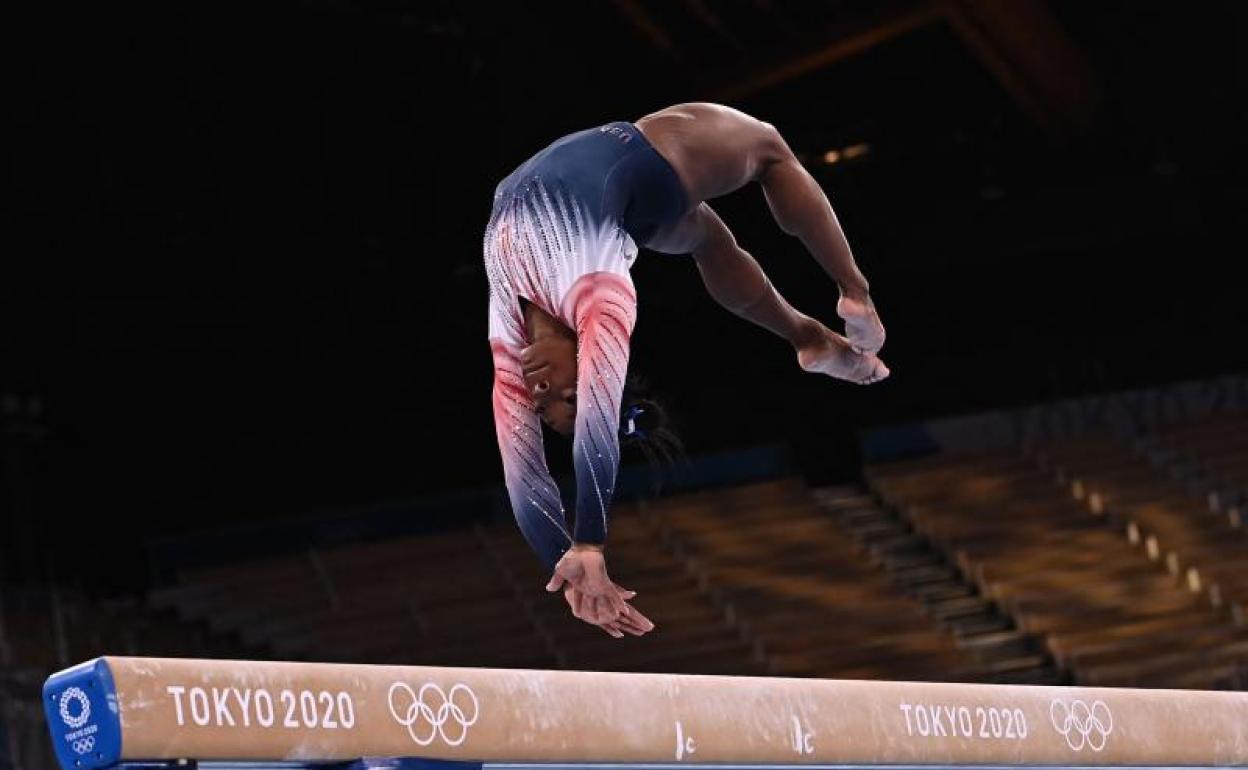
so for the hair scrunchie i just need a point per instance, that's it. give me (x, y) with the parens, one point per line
(630, 422)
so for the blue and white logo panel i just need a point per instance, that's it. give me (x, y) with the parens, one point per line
(80, 704)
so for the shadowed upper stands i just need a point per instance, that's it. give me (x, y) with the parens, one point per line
(1080, 559)
(752, 580)
(1094, 560)
(44, 629)
(1209, 458)
(47, 628)
(1124, 570)
(1088, 553)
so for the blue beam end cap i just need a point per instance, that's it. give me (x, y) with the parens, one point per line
(83, 715)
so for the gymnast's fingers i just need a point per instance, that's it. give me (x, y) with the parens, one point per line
(630, 625)
(615, 601)
(635, 618)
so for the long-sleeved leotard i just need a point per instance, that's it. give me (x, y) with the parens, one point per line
(563, 236)
(584, 283)
(534, 495)
(603, 309)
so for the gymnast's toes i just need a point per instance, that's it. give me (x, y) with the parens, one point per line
(878, 371)
(832, 355)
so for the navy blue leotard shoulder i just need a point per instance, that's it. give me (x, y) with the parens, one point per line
(614, 171)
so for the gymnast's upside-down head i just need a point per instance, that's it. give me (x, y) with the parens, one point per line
(549, 367)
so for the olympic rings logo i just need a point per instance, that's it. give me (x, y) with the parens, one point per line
(430, 712)
(1081, 724)
(75, 695)
(83, 745)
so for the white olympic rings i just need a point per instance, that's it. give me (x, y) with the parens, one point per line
(76, 695)
(84, 745)
(443, 710)
(1081, 724)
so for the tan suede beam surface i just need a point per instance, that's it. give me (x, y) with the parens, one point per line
(210, 709)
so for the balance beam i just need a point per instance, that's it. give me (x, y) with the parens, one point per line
(118, 709)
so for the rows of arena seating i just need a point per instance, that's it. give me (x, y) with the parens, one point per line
(793, 576)
(1092, 560)
(47, 628)
(24, 743)
(1124, 569)
(1210, 459)
(1212, 455)
(931, 580)
(735, 579)
(1041, 566)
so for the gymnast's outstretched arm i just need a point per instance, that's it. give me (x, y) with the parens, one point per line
(535, 500)
(604, 308)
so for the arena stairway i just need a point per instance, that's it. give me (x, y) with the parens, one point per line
(981, 568)
(1067, 563)
(923, 572)
(798, 584)
(755, 579)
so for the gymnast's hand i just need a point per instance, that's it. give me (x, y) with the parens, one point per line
(631, 622)
(591, 594)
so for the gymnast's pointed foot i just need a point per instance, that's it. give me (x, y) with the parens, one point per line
(829, 353)
(862, 323)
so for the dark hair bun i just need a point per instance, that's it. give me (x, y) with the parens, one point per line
(646, 425)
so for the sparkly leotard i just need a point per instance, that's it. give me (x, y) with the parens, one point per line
(563, 234)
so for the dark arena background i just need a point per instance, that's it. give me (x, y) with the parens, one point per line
(245, 381)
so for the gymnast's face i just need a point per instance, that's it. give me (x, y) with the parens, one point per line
(549, 366)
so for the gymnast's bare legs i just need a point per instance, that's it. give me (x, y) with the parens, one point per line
(716, 150)
(682, 157)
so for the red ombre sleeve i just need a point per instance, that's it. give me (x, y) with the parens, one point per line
(535, 500)
(604, 307)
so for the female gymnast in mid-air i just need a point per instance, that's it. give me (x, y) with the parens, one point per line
(564, 231)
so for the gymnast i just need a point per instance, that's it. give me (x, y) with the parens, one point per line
(564, 231)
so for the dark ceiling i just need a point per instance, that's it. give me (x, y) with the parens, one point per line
(243, 275)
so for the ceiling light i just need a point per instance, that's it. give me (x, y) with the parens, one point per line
(856, 150)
